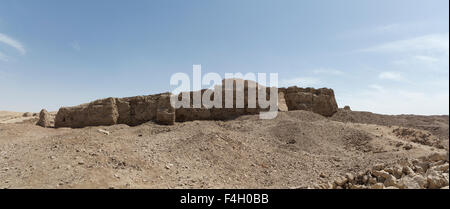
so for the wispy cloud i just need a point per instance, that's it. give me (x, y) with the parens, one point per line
(12, 43)
(428, 52)
(389, 27)
(395, 76)
(75, 45)
(376, 87)
(327, 71)
(398, 101)
(433, 43)
(374, 30)
(300, 81)
(427, 59)
(386, 30)
(419, 59)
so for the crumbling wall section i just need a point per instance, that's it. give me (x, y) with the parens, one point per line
(140, 109)
(320, 101)
(99, 112)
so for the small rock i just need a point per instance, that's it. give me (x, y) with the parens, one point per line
(27, 114)
(168, 166)
(436, 163)
(408, 171)
(398, 172)
(419, 170)
(378, 167)
(340, 181)
(372, 180)
(331, 185)
(389, 170)
(44, 119)
(357, 186)
(337, 159)
(436, 181)
(323, 186)
(381, 173)
(292, 141)
(360, 174)
(408, 147)
(438, 157)
(365, 179)
(407, 182)
(103, 131)
(390, 181)
(421, 181)
(442, 168)
(391, 187)
(377, 186)
(350, 177)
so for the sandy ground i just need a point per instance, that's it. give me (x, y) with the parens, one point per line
(12, 117)
(296, 150)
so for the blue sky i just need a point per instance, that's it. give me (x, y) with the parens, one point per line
(384, 56)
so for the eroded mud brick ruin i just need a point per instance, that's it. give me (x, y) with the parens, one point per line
(140, 109)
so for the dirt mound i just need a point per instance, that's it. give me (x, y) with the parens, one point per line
(298, 149)
(436, 125)
(418, 136)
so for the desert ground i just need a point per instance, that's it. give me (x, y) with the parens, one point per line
(298, 149)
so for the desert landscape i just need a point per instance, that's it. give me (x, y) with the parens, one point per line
(142, 142)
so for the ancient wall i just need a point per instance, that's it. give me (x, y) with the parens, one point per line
(140, 109)
(99, 112)
(320, 101)
(131, 111)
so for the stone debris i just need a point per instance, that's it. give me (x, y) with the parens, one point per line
(168, 166)
(417, 136)
(44, 119)
(430, 172)
(103, 131)
(27, 114)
